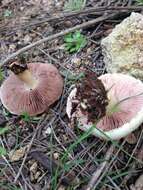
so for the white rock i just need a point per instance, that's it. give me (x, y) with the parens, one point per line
(123, 48)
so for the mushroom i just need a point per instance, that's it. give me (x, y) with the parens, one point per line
(31, 88)
(123, 106)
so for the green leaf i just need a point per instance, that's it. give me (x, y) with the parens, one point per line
(7, 13)
(69, 40)
(140, 2)
(78, 46)
(3, 130)
(73, 77)
(72, 50)
(2, 151)
(77, 35)
(74, 41)
(1, 75)
(26, 117)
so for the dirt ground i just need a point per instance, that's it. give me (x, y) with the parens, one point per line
(46, 152)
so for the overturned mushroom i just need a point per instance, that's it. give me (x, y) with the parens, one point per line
(116, 110)
(31, 88)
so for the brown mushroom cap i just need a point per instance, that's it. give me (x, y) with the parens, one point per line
(17, 97)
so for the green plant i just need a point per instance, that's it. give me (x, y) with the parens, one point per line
(2, 151)
(74, 5)
(7, 13)
(71, 76)
(1, 75)
(3, 130)
(26, 117)
(74, 41)
(140, 2)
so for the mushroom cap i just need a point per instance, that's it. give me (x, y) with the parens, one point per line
(17, 97)
(124, 91)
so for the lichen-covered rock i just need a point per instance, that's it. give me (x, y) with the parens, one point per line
(123, 48)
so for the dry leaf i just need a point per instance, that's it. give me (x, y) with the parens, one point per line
(17, 154)
(33, 168)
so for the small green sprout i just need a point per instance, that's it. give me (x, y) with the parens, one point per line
(74, 5)
(7, 13)
(2, 151)
(74, 41)
(4, 130)
(139, 2)
(1, 75)
(71, 76)
(26, 117)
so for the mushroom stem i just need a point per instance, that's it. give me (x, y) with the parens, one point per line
(111, 108)
(24, 74)
(28, 79)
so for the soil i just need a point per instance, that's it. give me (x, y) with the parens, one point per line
(92, 96)
(48, 152)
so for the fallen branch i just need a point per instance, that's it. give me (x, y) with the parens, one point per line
(93, 10)
(62, 33)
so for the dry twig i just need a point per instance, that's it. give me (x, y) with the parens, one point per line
(26, 154)
(86, 11)
(93, 10)
(62, 33)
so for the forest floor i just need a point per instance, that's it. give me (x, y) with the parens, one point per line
(46, 152)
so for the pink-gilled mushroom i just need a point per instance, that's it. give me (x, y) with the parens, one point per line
(119, 109)
(31, 88)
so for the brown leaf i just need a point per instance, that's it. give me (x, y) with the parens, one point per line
(17, 154)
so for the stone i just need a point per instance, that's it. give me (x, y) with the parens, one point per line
(123, 47)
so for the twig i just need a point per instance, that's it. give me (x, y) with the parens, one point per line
(26, 154)
(62, 33)
(99, 171)
(134, 150)
(93, 10)
(113, 183)
(8, 163)
(24, 159)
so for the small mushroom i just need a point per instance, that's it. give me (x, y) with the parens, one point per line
(31, 88)
(124, 110)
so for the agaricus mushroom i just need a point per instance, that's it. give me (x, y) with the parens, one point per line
(119, 107)
(31, 88)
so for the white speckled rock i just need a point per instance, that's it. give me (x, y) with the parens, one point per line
(123, 48)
